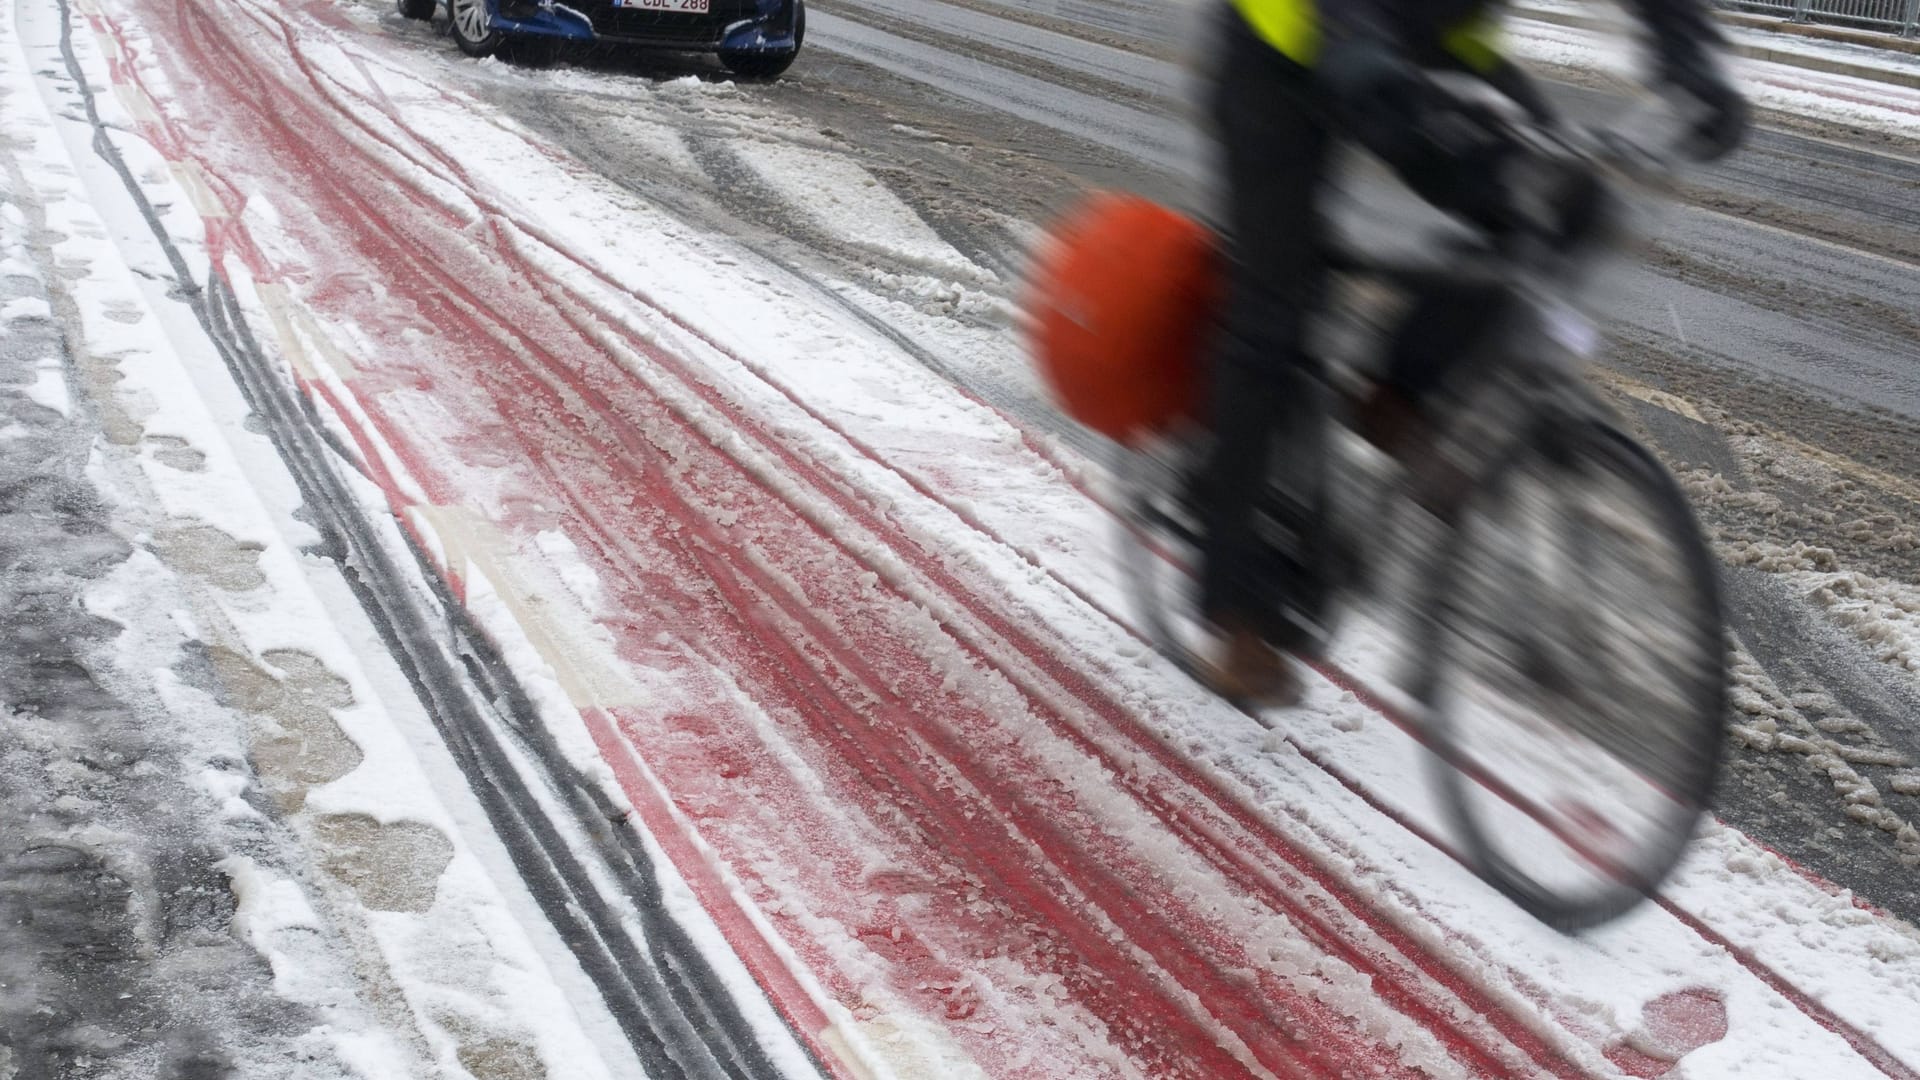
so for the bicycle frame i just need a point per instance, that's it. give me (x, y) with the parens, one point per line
(1509, 421)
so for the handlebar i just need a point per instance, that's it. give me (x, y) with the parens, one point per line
(1576, 162)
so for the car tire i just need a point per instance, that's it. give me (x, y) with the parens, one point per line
(417, 9)
(757, 65)
(473, 28)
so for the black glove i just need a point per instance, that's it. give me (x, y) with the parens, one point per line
(1714, 107)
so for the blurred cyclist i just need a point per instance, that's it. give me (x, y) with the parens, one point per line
(1295, 75)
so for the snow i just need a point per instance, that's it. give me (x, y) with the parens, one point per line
(973, 494)
(26, 309)
(1884, 615)
(893, 407)
(49, 389)
(580, 580)
(851, 205)
(462, 959)
(1772, 84)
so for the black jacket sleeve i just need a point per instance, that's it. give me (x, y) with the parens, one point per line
(1683, 32)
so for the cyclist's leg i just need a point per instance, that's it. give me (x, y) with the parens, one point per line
(1443, 329)
(1274, 150)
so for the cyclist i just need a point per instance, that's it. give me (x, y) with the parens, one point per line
(1295, 75)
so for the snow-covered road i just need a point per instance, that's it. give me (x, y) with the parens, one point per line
(568, 639)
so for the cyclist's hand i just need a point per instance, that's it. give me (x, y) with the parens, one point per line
(1716, 111)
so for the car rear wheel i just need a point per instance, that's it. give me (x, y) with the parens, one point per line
(417, 9)
(473, 28)
(755, 64)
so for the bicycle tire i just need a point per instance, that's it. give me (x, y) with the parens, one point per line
(1674, 750)
(1160, 540)
(1148, 542)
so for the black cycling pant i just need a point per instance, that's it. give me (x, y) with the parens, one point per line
(1266, 409)
(1261, 490)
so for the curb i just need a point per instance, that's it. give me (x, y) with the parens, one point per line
(1895, 45)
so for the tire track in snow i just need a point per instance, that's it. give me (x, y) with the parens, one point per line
(1861, 1041)
(352, 209)
(1175, 951)
(1033, 651)
(1181, 952)
(672, 1007)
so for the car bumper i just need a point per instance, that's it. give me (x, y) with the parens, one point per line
(729, 25)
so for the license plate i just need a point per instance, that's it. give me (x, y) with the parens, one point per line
(691, 7)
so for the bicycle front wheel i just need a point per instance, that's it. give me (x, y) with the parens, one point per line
(1574, 674)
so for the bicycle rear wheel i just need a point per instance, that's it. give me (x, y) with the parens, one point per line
(1160, 548)
(1574, 674)
(1162, 537)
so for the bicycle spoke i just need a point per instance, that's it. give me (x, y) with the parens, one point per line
(1574, 674)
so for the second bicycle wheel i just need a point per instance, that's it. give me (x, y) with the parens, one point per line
(1574, 674)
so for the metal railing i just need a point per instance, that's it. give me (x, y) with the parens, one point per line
(1894, 16)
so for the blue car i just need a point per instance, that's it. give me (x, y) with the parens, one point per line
(756, 39)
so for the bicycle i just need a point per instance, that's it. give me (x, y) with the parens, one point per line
(1555, 593)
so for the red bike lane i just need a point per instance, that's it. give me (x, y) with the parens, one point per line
(866, 766)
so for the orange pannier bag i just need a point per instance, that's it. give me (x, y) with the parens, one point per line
(1120, 302)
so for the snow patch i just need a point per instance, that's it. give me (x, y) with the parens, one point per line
(26, 309)
(49, 387)
(853, 206)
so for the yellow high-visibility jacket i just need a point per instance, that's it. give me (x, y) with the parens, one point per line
(1462, 31)
(1466, 29)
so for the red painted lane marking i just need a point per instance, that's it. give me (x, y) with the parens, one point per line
(1143, 740)
(744, 935)
(370, 461)
(528, 270)
(746, 588)
(417, 268)
(1863, 1044)
(824, 706)
(728, 656)
(916, 483)
(1671, 1027)
(885, 807)
(856, 511)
